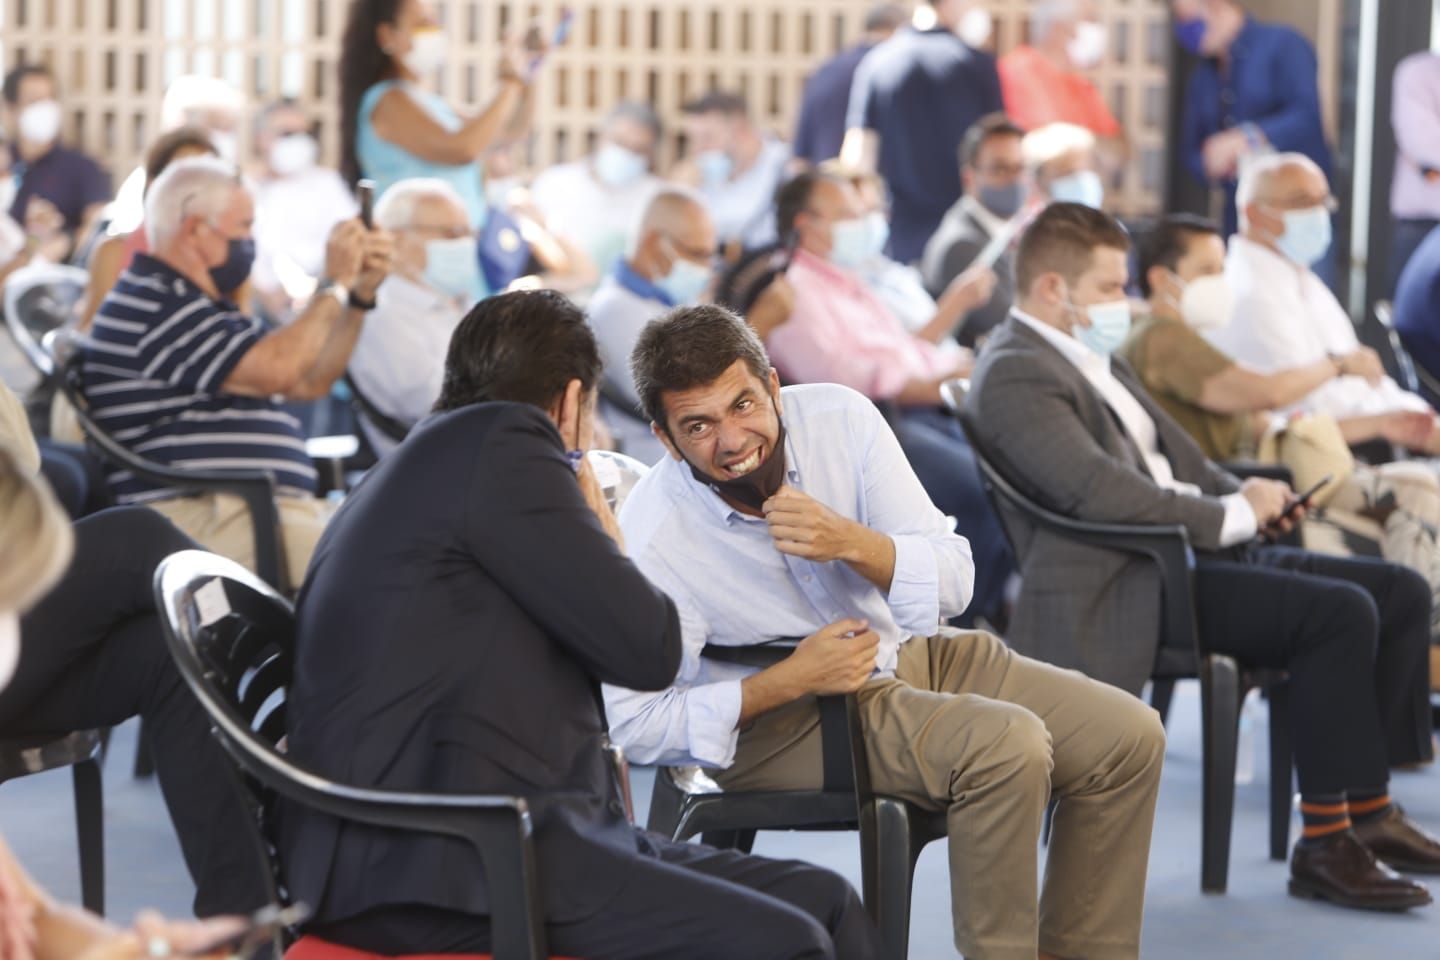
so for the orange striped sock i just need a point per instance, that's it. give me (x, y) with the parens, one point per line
(1324, 815)
(1364, 806)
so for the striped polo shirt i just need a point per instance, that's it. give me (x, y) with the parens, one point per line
(154, 367)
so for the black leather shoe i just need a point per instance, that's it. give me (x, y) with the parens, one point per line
(1401, 843)
(1342, 870)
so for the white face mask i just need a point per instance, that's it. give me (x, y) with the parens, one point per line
(1207, 303)
(976, 27)
(40, 122)
(9, 647)
(1087, 47)
(426, 53)
(293, 153)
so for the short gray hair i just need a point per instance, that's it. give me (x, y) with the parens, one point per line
(637, 112)
(1256, 173)
(197, 186)
(192, 92)
(1044, 14)
(1053, 141)
(395, 210)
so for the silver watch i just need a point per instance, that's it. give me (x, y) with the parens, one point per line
(329, 287)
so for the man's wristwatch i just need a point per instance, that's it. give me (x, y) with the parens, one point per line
(328, 287)
(1339, 362)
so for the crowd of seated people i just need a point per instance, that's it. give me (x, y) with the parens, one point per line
(907, 268)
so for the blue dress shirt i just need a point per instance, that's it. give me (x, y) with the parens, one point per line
(1271, 82)
(820, 130)
(733, 587)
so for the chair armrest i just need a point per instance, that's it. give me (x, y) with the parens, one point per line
(391, 428)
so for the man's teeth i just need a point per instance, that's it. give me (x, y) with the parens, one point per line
(744, 466)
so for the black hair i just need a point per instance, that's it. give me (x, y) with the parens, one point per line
(691, 347)
(362, 65)
(15, 77)
(1167, 242)
(523, 347)
(1063, 239)
(980, 133)
(718, 101)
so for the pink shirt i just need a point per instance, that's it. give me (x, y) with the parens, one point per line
(839, 332)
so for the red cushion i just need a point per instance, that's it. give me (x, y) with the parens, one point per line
(313, 948)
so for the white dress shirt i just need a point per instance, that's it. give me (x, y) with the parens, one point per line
(399, 360)
(1240, 523)
(743, 208)
(293, 219)
(597, 218)
(733, 587)
(1286, 317)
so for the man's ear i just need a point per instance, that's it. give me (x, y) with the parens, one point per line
(663, 436)
(775, 391)
(566, 413)
(1161, 280)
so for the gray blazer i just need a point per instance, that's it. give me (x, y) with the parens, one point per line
(953, 247)
(1048, 431)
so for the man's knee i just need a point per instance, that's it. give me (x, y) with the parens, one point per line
(1347, 612)
(1021, 750)
(1410, 593)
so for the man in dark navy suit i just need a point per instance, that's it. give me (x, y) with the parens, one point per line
(456, 621)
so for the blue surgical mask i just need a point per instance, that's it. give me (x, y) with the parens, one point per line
(685, 281)
(617, 167)
(1082, 186)
(1109, 326)
(879, 232)
(452, 266)
(1307, 235)
(1190, 34)
(852, 242)
(1004, 201)
(715, 167)
(239, 258)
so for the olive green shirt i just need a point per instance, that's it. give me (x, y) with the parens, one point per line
(1174, 362)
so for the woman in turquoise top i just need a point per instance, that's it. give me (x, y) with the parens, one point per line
(392, 127)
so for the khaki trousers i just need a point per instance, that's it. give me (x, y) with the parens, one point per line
(970, 727)
(220, 523)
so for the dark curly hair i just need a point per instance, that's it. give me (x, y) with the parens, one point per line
(362, 65)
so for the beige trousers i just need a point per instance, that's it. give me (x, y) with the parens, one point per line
(972, 728)
(220, 523)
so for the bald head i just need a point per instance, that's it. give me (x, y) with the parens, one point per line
(675, 224)
(1272, 185)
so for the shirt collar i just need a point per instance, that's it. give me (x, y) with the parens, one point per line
(626, 276)
(1087, 361)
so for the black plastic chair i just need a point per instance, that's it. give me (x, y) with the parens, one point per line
(40, 302)
(232, 637)
(81, 751)
(1223, 683)
(255, 487)
(366, 411)
(685, 802)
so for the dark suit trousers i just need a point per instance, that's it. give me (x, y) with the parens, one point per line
(1354, 635)
(92, 655)
(943, 461)
(679, 900)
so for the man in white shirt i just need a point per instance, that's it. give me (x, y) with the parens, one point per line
(297, 203)
(1076, 431)
(399, 361)
(1285, 315)
(738, 168)
(595, 202)
(793, 513)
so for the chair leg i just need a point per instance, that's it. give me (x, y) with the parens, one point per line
(665, 805)
(90, 828)
(144, 762)
(1220, 712)
(1162, 692)
(888, 857)
(1282, 770)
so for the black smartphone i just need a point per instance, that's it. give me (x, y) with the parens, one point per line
(1304, 498)
(259, 930)
(365, 193)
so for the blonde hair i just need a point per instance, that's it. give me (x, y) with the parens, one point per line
(35, 536)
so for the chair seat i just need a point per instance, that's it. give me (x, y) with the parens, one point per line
(22, 756)
(313, 948)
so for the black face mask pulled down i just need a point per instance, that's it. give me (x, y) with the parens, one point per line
(757, 486)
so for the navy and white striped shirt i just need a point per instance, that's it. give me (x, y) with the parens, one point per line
(155, 364)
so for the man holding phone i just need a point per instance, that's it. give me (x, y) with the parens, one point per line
(1075, 430)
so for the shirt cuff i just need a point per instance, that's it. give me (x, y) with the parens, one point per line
(914, 596)
(1240, 524)
(712, 719)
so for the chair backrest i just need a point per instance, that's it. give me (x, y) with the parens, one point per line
(1404, 366)
(41, 300)
(741, 285)
(617, 474)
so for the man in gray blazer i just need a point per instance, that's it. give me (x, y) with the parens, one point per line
(1074, 429)
(993, 171)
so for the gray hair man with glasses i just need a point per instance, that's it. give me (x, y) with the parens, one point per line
(178, 373)
(1285, 315)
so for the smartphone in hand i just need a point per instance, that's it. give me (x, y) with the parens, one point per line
(365, 194)
(1304, 499)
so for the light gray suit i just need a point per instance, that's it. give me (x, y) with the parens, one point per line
(1047, 430)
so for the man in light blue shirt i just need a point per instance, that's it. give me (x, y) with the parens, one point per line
(794, 514)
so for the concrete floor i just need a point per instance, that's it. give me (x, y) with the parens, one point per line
(1256, 919)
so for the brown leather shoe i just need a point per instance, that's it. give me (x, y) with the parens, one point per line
(1342, 870)
(1401, 843)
